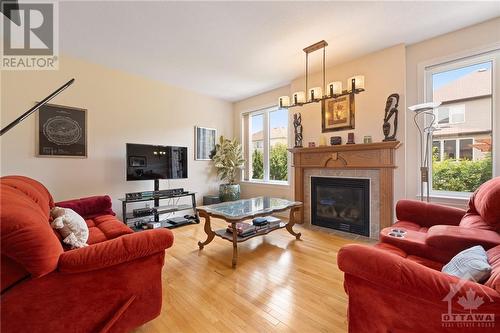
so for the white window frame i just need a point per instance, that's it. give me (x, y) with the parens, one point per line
(266, 143)
(487, 54)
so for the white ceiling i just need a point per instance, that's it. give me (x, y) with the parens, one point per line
(233, 50)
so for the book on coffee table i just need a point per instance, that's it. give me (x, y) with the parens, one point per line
(243, 229)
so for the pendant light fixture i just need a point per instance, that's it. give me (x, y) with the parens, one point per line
(355, 84)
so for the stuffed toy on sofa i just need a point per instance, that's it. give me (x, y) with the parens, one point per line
(71, 227)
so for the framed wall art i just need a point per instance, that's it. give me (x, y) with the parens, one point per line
(61, 131)
(204, 139)
(337, 114)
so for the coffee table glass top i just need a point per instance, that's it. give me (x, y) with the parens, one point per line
(233, 210)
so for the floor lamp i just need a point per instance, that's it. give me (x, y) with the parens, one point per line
(36, 107)
(425, 135)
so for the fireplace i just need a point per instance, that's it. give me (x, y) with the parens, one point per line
(341, 203)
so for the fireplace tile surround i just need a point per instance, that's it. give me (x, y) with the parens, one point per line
(374, 161)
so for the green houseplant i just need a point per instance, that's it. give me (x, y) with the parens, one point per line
(228, 159)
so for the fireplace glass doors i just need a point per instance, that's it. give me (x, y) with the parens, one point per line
(341, 203)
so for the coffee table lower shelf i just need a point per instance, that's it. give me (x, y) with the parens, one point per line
(222, 233)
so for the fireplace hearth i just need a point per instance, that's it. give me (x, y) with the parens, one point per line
(341, 203)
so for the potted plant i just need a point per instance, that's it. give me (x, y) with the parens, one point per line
(228, 158)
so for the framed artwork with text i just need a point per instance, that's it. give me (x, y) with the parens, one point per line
(61, 131)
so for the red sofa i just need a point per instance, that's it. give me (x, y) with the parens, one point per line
(440, 232)
(113, 285)
(397, 285)
(391, 291)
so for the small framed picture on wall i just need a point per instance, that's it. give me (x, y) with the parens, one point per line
(61, 131)
(204, 139)
(337, 114)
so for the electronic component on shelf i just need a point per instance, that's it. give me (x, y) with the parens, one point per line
(154, 225)
(178, 220)
(155, 194)
(138, 212)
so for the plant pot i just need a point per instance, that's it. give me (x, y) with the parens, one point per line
(229, 192)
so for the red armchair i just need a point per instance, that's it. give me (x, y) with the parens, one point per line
(440, 232)
(391, 291)
(113, 285)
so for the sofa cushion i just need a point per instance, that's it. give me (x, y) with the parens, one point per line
(475, 221)
(32, 189)
(486, 202)
(409, 226)
(26, 236)
(419, 260)
(470, 264)
(105, 227)
(494, 261)
(89, 207)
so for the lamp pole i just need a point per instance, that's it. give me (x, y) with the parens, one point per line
(36, 107)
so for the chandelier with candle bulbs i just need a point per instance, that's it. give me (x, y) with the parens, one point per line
(355, 84)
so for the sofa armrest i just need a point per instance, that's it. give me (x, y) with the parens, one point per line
(402, 275)
(427, 214)
(454, 239)
(115, 251)
(89, 207)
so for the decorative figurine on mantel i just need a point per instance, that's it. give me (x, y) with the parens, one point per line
(297, 124)
(391, 111)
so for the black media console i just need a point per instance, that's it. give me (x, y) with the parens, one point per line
(154, 213)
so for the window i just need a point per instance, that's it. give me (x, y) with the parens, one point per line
(454, 114)
(266, 146)
(453, 149)
(278, 144)
(463, 125)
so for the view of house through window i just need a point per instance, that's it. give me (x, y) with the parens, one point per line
(462, 136)
(268, 145)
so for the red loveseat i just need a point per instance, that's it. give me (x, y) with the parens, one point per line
(440, 232)
(397, 285)
(391, 291)
(113, 285)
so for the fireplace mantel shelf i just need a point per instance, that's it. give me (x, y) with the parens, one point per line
(377, 156)
(348, 147)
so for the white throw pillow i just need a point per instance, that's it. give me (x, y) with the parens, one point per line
(470, 264)
(71, 226)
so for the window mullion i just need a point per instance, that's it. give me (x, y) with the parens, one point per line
(266, 145)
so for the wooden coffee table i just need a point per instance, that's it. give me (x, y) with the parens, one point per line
(241, 210)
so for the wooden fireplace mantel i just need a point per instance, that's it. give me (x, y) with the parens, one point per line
(378, 156)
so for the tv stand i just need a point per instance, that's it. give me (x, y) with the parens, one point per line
(157, 201)
(160, 209)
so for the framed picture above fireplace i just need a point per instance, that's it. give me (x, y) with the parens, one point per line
(337, 114)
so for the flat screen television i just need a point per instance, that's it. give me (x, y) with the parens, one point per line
(146, 162)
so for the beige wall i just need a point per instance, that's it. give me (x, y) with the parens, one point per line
(384, 73)
(454, 45)
(121, 108)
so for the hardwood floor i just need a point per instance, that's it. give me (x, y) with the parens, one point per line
(280, 284)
